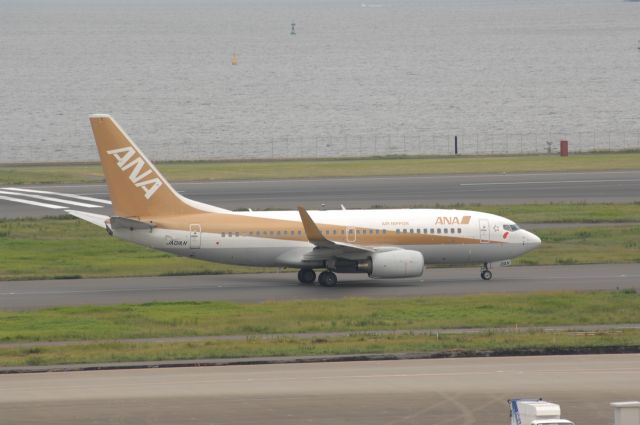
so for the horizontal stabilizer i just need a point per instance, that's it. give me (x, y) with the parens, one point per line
(97, 219)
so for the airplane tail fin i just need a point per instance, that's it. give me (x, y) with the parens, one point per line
(136, 187)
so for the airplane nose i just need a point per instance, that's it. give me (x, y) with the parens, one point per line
(536, 239)
(533, 240)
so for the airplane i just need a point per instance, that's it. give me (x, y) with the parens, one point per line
(383, 243)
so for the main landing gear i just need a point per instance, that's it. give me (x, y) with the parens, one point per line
(306, 276)
(485, 274)
(326, 278)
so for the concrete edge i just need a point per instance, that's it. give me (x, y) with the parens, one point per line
(549, 351)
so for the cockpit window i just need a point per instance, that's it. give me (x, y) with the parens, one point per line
(510, 227)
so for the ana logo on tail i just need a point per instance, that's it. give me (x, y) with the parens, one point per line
(124, 157)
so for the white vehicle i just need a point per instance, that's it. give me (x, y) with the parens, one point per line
(535, 412)
(394, 243)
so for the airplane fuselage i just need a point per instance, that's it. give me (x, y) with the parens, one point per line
(277, 238)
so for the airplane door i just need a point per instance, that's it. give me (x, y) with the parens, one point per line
(484, 230)
(351, 234)
(194, 236)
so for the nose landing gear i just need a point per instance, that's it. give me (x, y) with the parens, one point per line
(485, 274)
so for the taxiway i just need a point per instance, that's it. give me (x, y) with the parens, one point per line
(20, 295)
(362, 192)
(434, 392)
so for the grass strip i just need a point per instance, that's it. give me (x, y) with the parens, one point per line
(64, 248)
(389, 166)
(355, 344)
(56, 248)
(153, 320)
(585, 245)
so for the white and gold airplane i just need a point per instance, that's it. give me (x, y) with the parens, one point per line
(384, 243)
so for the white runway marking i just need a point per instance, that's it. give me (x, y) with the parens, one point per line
(37, 204)
(67, 195)
(49, 198)
(550, 182)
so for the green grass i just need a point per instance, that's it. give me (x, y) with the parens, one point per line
(585, 245)
(54, 248)
(66, 247)
(257, 347)
(185, 171)
(97, 327)
(154, 320)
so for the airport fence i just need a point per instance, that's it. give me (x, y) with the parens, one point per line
(347, 146)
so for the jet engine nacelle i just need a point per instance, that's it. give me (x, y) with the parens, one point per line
(396, 264)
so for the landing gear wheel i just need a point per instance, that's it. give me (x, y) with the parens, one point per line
(328, 279)
(486, 275)
(306, 276)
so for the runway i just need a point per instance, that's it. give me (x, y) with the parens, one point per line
(434, 392)
(363, 192)
(21, 295)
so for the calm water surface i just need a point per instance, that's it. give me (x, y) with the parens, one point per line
(400, 77)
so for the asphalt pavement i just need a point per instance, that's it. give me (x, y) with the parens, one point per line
(356, 192)
(434, 392)
(19, 295)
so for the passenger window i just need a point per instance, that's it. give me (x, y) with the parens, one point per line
(446, 230)
(335, 231)
(271, 232)
(410, 230)
(222, 234)
(439, 230)
(377, 231)
(404, 230)
(384, 231)
(453, 230)
(459, 230)
(397, 230)
(237, 233)
(371, 231)
(342, 231)
(299, 232)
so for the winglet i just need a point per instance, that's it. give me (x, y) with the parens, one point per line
(311, 230)
(314, 235)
